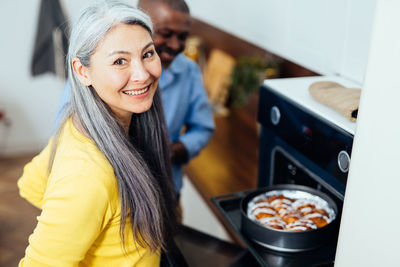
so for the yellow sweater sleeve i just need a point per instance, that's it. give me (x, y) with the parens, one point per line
(32, 184)
(74, 211)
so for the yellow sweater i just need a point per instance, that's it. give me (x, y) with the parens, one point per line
(80, 220)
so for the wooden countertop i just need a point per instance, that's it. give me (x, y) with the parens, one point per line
(229, 163)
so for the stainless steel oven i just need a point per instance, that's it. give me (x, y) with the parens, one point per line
(302, 142)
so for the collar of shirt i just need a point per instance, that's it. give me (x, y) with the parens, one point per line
(167, 75)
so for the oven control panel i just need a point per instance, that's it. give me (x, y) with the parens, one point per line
(318, 141)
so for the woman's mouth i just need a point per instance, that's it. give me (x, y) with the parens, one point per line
(137, 91)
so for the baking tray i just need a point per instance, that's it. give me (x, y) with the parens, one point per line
(323, 256)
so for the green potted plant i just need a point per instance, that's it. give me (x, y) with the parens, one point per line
(246, 77)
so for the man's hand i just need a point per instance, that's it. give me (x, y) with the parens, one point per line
(179, 153)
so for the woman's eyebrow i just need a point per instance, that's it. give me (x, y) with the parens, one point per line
(148, 45)
(126, 52)
(118, 52)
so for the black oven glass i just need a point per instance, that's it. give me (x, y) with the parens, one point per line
(286, 170)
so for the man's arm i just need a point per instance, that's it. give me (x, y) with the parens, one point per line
(179, 154)
(199, 120)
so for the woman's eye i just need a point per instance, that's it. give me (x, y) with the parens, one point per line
(148, 54)
(120, 61)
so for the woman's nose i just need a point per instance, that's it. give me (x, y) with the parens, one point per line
(139, 72)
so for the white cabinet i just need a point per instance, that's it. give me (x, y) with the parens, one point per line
(330, 37)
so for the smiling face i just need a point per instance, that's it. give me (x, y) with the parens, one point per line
(171, 29)
(124, 71)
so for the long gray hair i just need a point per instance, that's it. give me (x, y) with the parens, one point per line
(140, 159)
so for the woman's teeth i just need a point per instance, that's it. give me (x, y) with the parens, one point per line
(139, 92)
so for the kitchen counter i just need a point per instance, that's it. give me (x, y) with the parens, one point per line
(229, 163)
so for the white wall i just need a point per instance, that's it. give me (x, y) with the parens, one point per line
(29, 103)
(328, 37)
(369, 233)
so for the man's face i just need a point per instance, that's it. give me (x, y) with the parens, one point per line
(171, 28)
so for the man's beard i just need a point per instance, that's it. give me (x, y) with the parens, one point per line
(173, 53)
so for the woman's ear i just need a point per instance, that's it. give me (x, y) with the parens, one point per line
(81, 72)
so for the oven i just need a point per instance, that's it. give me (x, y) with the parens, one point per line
(302, 142)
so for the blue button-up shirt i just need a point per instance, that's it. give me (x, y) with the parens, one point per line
(185, 103)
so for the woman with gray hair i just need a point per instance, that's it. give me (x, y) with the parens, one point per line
(104, 182)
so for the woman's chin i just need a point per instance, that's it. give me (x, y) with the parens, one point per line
(143, 107)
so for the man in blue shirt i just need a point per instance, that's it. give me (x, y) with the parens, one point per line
(184, 99)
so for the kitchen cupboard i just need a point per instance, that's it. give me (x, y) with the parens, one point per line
(373, 182)
(325, 36)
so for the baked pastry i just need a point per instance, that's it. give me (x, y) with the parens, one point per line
(322, 212)
(275, 223)
(263, 210)
(319, 219)
(281, 204)
(280, 212)
(262, 200)
(279, 200)
(303, 206)
(291, 216)
(281, 197)
(301, 225)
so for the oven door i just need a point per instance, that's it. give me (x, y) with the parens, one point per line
(287, 169)
(194, 248)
